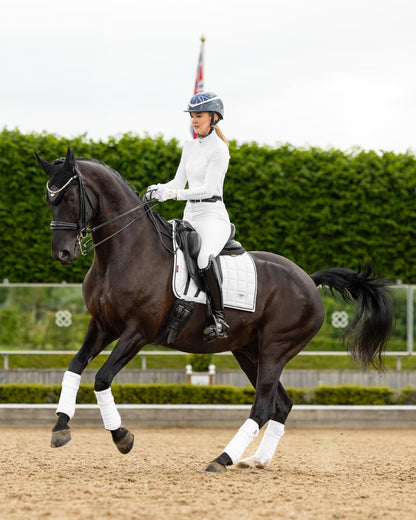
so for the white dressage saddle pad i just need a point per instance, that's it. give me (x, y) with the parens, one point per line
(239, 286)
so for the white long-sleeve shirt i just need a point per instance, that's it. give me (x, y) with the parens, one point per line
(203, 166)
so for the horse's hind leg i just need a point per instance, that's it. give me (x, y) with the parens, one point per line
(274, 432)
(262, 410)
(248, 361)
(247, 358)
(271, 402)
(94, 342)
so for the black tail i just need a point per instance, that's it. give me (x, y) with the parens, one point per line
(367, 335)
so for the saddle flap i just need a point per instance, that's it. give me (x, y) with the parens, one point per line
(239, 281)
(189, 242)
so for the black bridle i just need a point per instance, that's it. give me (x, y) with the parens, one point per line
(84, 232)
(81, 225)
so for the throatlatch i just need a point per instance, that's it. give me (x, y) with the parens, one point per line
(216, 326)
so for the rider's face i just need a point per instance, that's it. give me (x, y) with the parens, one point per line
(201, 122)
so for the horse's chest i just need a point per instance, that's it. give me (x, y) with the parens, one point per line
(99, 306)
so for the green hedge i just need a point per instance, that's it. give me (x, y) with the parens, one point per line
(195, 394)
(320, 208)
(353, 394)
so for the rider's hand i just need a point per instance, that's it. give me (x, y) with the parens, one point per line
(162, 194)
(151, 192)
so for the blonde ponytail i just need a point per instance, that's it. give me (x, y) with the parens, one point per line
(221, 135)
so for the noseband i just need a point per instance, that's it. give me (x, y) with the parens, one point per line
(84, 232)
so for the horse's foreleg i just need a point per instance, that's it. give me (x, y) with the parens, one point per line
(94, 343)
(127, 347)
(122, 438)
(61, 433)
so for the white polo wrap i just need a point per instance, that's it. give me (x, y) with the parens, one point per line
(109, 413)
(68, 397)
(274, 432)
(241, 440)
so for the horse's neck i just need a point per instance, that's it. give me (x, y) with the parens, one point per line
(113, 200)
(139, 239)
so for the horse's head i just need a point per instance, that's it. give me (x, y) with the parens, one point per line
(65, 197)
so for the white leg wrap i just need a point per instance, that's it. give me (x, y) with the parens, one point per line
(67, 399)
(274, 432)
(241, 440)
(109, 413)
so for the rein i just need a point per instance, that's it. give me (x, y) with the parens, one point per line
(84, 232)
(84, 240)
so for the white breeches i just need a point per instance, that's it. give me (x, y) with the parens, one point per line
(211, 221)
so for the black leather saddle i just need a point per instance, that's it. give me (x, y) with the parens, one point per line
(189, 241)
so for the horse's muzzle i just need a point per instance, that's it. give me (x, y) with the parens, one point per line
(64, 255)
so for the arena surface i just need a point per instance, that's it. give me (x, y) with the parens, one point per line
(316, 474)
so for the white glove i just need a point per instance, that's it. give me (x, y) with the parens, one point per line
(162, 194)
(151, 192)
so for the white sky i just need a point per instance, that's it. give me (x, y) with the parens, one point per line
(311, 73)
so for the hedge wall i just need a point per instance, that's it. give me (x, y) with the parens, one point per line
(195, 394)
(320, 208)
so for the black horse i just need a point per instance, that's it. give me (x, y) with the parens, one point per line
(128, 293)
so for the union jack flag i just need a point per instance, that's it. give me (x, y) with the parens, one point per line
(199, 80)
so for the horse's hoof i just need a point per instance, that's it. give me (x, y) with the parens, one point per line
(60, 438)
(215, 467)
(250, 462)
(125, 444)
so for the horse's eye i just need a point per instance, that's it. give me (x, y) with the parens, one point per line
(71, 199)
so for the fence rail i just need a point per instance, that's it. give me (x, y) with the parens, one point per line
(6, 353)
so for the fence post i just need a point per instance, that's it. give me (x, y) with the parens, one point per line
(409, 319)
(398, 363)
(6, 361)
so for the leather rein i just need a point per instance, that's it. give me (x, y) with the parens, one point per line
(84, 237)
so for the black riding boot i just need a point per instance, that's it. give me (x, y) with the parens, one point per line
(216, 326)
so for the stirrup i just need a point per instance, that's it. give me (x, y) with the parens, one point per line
(217, 329)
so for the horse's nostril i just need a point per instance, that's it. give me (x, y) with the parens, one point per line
(64, 255)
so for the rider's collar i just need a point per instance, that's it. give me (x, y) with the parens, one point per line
(204, 137)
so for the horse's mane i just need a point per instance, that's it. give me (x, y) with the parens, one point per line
(108, 168)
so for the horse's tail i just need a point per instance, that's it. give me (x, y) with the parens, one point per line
(367, 335)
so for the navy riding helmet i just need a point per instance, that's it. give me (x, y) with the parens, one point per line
(206, 102)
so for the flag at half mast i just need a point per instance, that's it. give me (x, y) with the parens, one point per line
(199, 80)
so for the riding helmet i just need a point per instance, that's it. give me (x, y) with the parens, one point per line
(206, 102)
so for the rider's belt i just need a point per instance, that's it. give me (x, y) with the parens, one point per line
(215, 198)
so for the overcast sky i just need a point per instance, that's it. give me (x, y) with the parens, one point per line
(323, 73)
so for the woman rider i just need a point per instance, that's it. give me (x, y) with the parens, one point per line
(203, 166)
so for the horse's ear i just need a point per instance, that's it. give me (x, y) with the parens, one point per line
(44, 164)
(69, 163)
